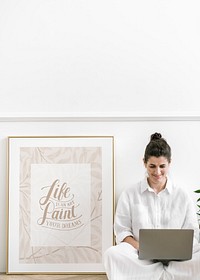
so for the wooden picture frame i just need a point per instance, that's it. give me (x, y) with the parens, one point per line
(60, 203)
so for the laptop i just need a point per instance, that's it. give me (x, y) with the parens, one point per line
(165, 245)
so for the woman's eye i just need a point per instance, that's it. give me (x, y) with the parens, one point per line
(161, 166)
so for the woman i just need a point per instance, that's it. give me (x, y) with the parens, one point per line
(155, 202)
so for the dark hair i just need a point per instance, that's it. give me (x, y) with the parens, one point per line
(157, 147)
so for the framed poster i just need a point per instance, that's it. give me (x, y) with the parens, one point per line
(60, 203)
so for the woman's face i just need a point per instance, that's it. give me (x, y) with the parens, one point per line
(157, 169)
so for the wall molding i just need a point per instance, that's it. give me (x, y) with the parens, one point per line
(97, 117)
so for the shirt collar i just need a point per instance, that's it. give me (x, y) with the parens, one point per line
(145, 186)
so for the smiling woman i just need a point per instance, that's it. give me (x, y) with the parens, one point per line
(153, 203)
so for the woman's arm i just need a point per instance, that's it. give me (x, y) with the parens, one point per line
(123, 224)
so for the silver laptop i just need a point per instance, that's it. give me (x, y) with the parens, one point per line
(165, 244)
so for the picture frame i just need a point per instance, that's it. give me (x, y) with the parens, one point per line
(60, 204)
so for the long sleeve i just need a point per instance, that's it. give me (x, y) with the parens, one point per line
(122, 225)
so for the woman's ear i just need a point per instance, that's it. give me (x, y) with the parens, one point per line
(145, 164)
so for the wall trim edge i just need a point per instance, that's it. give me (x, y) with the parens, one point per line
(99, 117)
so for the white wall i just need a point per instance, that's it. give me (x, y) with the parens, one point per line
(106, 56)
(74, 57)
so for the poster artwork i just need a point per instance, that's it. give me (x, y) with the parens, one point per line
(60, 205)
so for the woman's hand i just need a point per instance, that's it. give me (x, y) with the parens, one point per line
(132, 241)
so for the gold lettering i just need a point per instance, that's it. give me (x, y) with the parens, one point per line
(45, 213)
(56, 191)
(58, 214)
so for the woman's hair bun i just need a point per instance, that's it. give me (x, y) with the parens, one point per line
(156, 136)
(157, 147)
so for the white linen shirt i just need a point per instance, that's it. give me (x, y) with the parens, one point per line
(140, 207)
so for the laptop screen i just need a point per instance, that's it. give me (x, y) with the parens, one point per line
(165, 244)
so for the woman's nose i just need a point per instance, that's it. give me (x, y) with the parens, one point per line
(157, 171)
